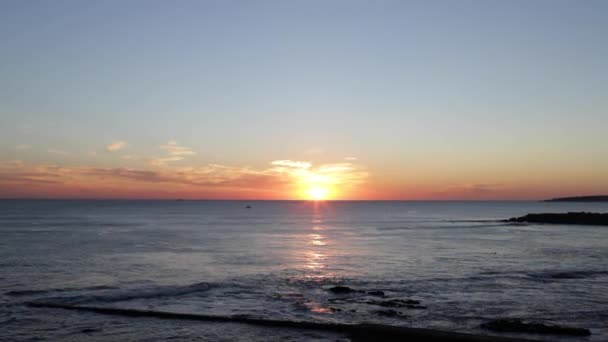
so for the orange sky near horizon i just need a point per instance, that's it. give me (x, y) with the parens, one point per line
(348, 179)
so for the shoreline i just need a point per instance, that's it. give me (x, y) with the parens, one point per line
(572, 218)
(360, 332)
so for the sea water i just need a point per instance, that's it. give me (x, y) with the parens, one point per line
(279, 260)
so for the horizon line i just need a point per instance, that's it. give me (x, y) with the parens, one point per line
(260, 200)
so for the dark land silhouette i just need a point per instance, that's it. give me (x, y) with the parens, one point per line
(583, 218)
(597, 198)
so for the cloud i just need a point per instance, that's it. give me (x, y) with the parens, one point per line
(23, 147)
(163, 161)
(175, 152)
(57, 152)
(8, 164)
(115, 146)
(292, 164)
(336, 168)
(339, 177)
(350, 158)
(16, 171)
(129, 157)
(212, 175)
(223, 181)
(174, 149)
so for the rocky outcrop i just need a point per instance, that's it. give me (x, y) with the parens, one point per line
(519, 326)
(582, 218)
(342, 289)
(579, 199)
(398, 303)
(390, 313)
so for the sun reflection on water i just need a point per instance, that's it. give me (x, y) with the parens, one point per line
(316, 250)
(317, 239)
(315, 261)
(315, 254)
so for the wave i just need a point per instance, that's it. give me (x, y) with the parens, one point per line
(545, 275)
(20, 293)
(568, 274)
(455, 226)
(357, 332)
(131, 294)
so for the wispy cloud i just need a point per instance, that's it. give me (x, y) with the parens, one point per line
(57, 152)
(115, 146)
(225, 181)
(350, 158)
(336, 168)
(23, 147)
(174, 149)
(16, 171)
(163, 161)
(292, 163)
(175, 152)
(9, 164)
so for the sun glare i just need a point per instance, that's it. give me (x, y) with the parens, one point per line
(317, 193)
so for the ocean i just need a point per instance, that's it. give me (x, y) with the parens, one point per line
(280, 259)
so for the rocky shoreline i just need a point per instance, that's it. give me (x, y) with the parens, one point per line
(581, 218)
(598, 198)
(357, 332)
(360, 332)
(519, 326)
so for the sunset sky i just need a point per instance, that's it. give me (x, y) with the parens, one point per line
(303, 99)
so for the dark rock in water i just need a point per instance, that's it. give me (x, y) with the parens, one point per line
(567, 275)
(376, 293)
(90, 330)
(390, 313)
(247, 207)
(339, 300)
(358, 332)
(422, 307)
(517, 325)
(583, 218)
(342, 289)
(398, 303)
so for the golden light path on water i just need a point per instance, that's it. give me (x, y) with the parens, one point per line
(316, 254)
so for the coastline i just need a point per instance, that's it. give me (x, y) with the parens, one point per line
(572, 218)
(361, 332)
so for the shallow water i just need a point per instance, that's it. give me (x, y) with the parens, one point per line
(278, 260)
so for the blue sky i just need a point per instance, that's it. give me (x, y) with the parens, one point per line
(408, 87)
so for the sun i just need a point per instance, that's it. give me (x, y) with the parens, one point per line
(317, 193)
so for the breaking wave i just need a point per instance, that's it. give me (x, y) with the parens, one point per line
(111, 296)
